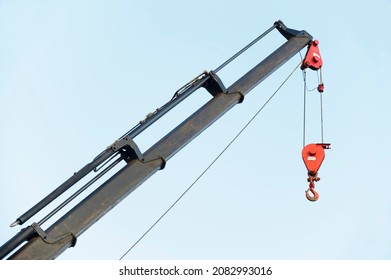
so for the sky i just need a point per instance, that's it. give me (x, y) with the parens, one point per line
(76, 75)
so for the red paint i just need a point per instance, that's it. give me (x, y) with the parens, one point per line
(313, 156)
(313, 59)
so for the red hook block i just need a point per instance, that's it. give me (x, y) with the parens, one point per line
(313, 156)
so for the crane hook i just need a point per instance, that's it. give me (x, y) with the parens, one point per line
(315, 195)
(313, 155)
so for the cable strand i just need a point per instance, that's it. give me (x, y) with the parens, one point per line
(321, 116)
(321, 104)
(304, 105)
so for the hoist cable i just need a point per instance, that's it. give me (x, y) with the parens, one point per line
(321, 116)
(210, 165)
(321, 103)
(304, 106)
(320, 82)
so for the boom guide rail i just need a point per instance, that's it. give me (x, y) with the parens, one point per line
(140, 166)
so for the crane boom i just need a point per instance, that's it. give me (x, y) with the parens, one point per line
(62, 234)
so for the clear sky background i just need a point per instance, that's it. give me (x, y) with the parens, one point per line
(76, 75)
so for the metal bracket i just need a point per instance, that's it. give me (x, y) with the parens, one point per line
(164, 162)
(50, 240)
(128, 148)
(289, 33)
(241, 98)
(214, 85)
(160, 158)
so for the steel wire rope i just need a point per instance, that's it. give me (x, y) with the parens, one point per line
(304, 106)
(321, 116)
(211, 164)
(320, 81)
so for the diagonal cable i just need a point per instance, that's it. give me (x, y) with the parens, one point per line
(210, 165)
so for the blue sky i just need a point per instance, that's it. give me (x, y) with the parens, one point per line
(76, 75)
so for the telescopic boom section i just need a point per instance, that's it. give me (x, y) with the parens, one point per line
(63, 233)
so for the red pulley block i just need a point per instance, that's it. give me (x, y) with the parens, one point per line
(313, 156)
(313, 59)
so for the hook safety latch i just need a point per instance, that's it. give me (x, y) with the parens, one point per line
(313, 156)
